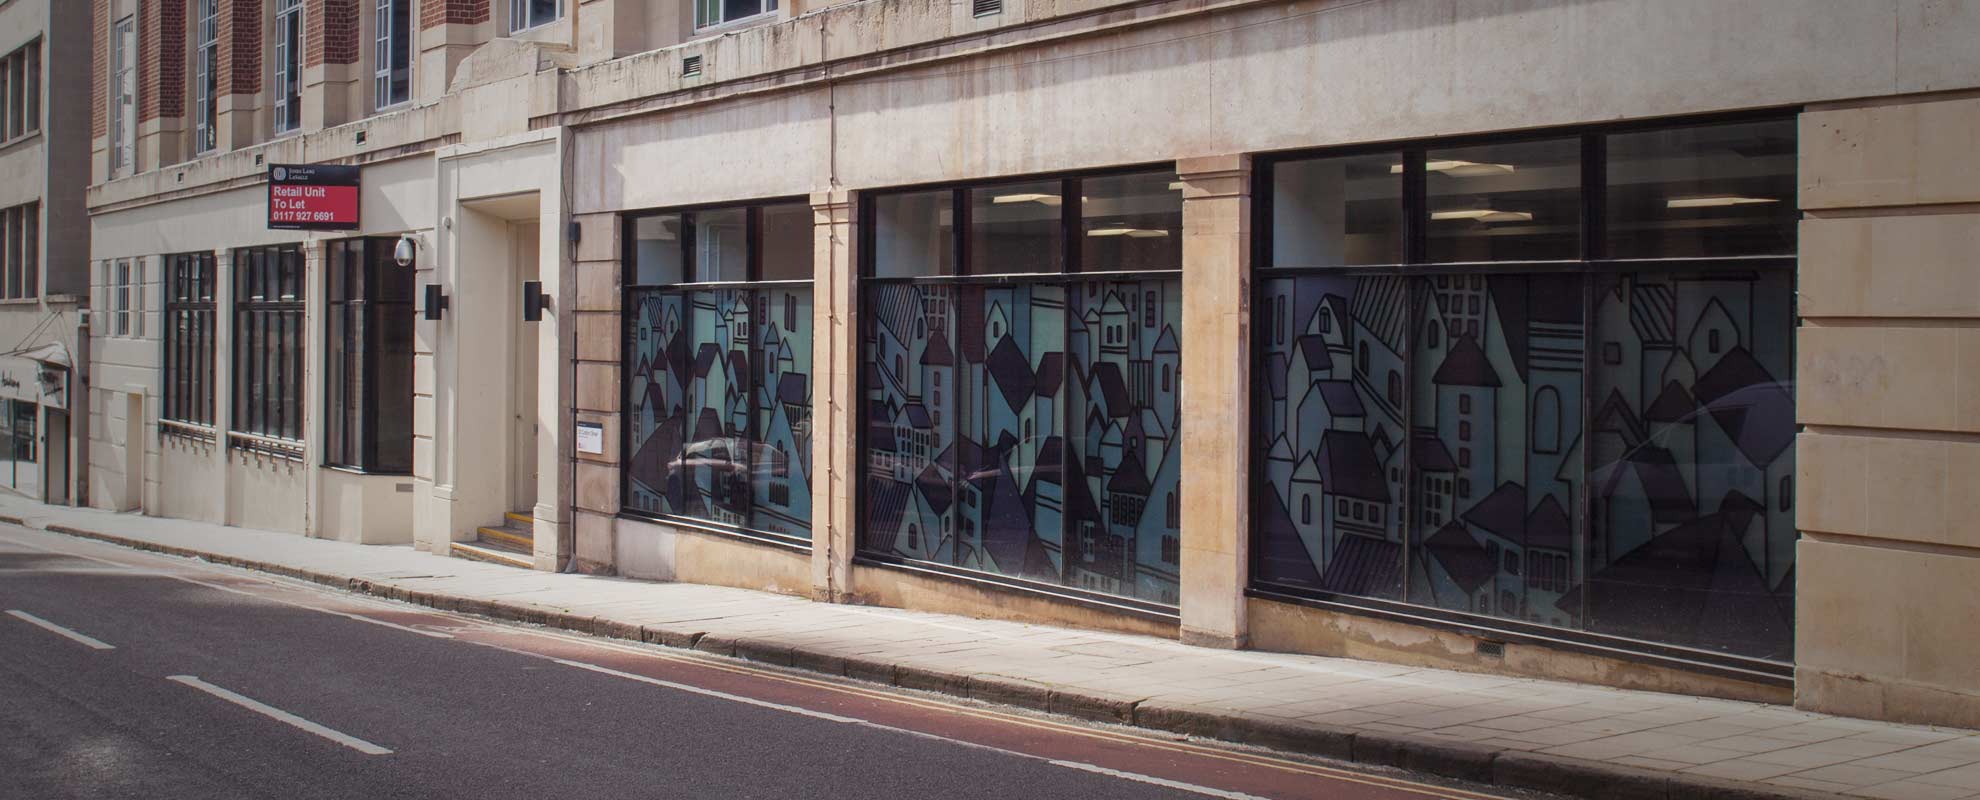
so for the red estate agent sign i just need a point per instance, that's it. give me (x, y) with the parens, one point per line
(312, 197)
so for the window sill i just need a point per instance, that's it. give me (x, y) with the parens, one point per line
(22, 139)
(20, 301)
(369, 473)
(733, 25)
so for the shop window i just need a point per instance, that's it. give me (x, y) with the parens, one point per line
(190, 327)
(1057, 428)
(526, 14)
(391, 78)
(1337, 211)
(126, 284)
(709, 13)
(718, 370)
(1550, 398)
(368, 357)
(20, 251)
(123, 97)
(20, 461)
(288, 65)
(269, 343)
(20, 91)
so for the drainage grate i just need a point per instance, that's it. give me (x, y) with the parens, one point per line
(984, 8)
(690, 66)
(1492, 649)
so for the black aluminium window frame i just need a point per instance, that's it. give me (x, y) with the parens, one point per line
(370, 305)
(629, 270)
(1592, 260)
(191, 300)
(1070, 220)
(283, 396)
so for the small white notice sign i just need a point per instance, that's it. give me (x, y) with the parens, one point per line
(591, 437)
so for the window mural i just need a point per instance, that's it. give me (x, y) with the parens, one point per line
(718, 368)
(1025, 424)
(1607, 450)
(1028, 430)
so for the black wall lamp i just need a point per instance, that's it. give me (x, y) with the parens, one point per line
(533, 301)
(436, 303)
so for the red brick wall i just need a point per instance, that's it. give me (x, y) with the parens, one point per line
(332, 30)
(240, 46)
(99, 79)
(161, 59)
(435, 13)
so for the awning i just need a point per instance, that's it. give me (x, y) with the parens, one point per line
(38, 374)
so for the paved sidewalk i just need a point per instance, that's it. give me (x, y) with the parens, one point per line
(1548, 735)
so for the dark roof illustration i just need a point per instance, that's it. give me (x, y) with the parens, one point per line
(1011, 372)
(1166, 342)
(934, 487)
(917, 416)
(887, 502)
(1466, 365)
(708, 425)
(1653, 312)
(1756, 411)
(1380, 305)
(1051, 371)
(705, 358)
(1502, 513)
(1549, 527)
(1663, 483)
(1348, 467)
(937, 354)
(1283, 558)
(1365, 566)
(1313, 348)
(1006, 524)
(1462, 557)
(1107, 380)
(970, 325)
(1616, 416)
(1430, 454)
(649, 462)
(1673, 404)
(791, 389)
(1129, 477)
(1276, 367)
(1340, 398)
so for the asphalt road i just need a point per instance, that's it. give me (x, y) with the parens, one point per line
(128, 674)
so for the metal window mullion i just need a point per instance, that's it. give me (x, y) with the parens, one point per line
(1070, 211)
(1416, 208)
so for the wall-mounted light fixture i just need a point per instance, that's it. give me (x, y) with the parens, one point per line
(577, 235)
(436, 303)
(533, 301)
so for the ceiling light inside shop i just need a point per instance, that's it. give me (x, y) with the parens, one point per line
(1027, 197)
(1460, 169)
(1716, 201)
(1483, 215)
(1137, 233)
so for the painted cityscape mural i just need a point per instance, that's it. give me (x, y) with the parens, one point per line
(1425, 440)
(718, 398)
(1027, 429)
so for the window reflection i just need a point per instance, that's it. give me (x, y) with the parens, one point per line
(1337, 211)
(1519, 201)
(1131, 222)
(1016, 228)
(913, 234)
(1715, 190)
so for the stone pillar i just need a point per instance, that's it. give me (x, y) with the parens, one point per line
(834, 402)
(597, 393)
(332, 75)
(448, 31)
(1888, 565)
(1216, 401)
(161, 76)
(239, 51)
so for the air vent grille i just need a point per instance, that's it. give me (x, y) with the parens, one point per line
(984, 8)
(691, 66)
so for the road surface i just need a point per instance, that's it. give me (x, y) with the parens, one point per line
(130, 674)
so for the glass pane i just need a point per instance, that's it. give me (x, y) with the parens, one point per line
(657, 395)
(721, 244)
(1131, 222)
(339, 420)
(1718, 190)
(913, 234)
(715, 454)
(910, 396)
(1329, 413)
(1016, 228)
(786, 242)
(392, 385)
(27, 472)
(737, 9)
(781, 459)
(542, 11)
(1337, 211)
(1495, 393)
(657, 259)
(1505, 202)
(1693, 449)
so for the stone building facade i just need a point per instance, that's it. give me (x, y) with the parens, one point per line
(1565, 339)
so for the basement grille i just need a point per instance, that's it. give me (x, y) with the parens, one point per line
(984, 8)
(691, 66)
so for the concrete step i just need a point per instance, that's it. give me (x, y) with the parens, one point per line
(509, 535)
(522, 519)
(483, 551)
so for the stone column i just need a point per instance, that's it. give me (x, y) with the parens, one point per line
(597, 392)
(448, 31)
(1888, 392)
(1216, 401)
(239, 81)
(834, 403)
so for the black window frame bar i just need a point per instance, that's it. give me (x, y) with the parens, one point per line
(1593, 260)
(368, 306)
(962, 275)
(282, 408)
(190, 300)
(628, 320)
